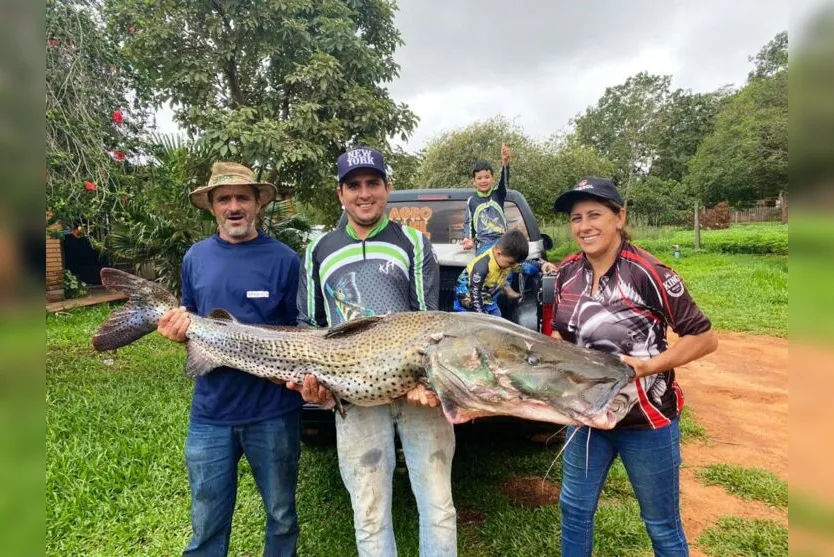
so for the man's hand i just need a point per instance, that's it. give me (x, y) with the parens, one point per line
(174, 324)
(311, 391)
(506, 154)
(421, 396)
(548, 268)
(467, 243)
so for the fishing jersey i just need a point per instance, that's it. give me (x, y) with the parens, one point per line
(485, 221)
(343, 277)
(637, 299)
(482, 280)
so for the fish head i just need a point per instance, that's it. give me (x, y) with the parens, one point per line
(500, 368)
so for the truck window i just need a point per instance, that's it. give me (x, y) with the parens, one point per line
(442, 221)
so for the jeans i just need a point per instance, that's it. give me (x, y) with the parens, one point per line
(212, 452)
(491, 309)
(652, 460)
(365, 442)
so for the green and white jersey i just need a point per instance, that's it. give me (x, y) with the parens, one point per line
(343, 277)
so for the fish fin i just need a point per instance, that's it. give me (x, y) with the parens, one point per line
(221, 314)
(197, 363)
(339, 408)
(352, 326)
(147, 301)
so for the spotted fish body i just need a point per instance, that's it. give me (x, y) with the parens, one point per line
(477, 365)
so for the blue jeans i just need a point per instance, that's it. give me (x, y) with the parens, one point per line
(212, 453)
(651, 458)
(365, 442)
(491, 309)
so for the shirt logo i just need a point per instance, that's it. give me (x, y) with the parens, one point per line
(387, 267)
(257, 294)
(673, 285)
(360, 156)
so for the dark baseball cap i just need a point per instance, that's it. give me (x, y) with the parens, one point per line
(590, 186)
(360, 157)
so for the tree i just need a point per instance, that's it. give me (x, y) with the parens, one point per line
(772, 58)
(683, 122)
(448, 158)
(156, 224)
(283, 87)
(540, 170)
(623, 125)
(91, 127)
(746, 157)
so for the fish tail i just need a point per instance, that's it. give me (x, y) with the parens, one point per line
(147, 301)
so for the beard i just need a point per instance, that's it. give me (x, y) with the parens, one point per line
(240, 229)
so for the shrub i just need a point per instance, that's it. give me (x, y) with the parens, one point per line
(716, 218)
(73, 286)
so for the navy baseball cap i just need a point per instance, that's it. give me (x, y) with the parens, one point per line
(590, 186)
(360, 157)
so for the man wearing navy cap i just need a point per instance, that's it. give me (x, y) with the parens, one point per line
(373, 266)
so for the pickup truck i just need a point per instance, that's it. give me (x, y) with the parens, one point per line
(439, 213)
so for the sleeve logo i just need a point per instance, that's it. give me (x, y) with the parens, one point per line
(673, 285)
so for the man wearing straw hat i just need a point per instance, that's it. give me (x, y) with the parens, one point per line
(255, 278)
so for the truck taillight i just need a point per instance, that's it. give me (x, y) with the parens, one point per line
(547, 319)
(546, 297)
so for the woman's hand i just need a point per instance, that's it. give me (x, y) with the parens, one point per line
(641, 367)
(687, 349)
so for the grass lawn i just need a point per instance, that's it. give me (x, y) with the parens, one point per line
(737, 287)
(747, 483)
(736, 537)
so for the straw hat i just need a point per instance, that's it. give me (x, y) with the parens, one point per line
(230, 174)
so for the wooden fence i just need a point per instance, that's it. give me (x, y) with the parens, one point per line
(756, 214)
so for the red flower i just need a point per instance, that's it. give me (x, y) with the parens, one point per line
(91, 186)
(131, 29)
(118, 117)
(53, 42)
(78, 232)
(118, 155)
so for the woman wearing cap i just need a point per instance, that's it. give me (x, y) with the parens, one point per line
(616, 297)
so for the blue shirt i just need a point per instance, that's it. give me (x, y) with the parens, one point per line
(256, 282)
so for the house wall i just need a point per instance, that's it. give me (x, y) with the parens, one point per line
(54, 270)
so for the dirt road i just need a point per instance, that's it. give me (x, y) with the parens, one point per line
(740, 395)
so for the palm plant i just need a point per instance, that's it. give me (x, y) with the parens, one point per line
(158, 224)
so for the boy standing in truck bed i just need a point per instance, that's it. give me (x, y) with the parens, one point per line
(485, 222)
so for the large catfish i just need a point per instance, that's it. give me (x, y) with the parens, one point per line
(478, 365)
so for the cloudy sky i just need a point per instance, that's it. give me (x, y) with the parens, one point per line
(541, 62)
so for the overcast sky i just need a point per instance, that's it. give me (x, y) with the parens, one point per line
(541, 62)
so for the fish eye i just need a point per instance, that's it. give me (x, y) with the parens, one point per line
(533, 359)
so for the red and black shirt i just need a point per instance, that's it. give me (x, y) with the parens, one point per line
(636, 300)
